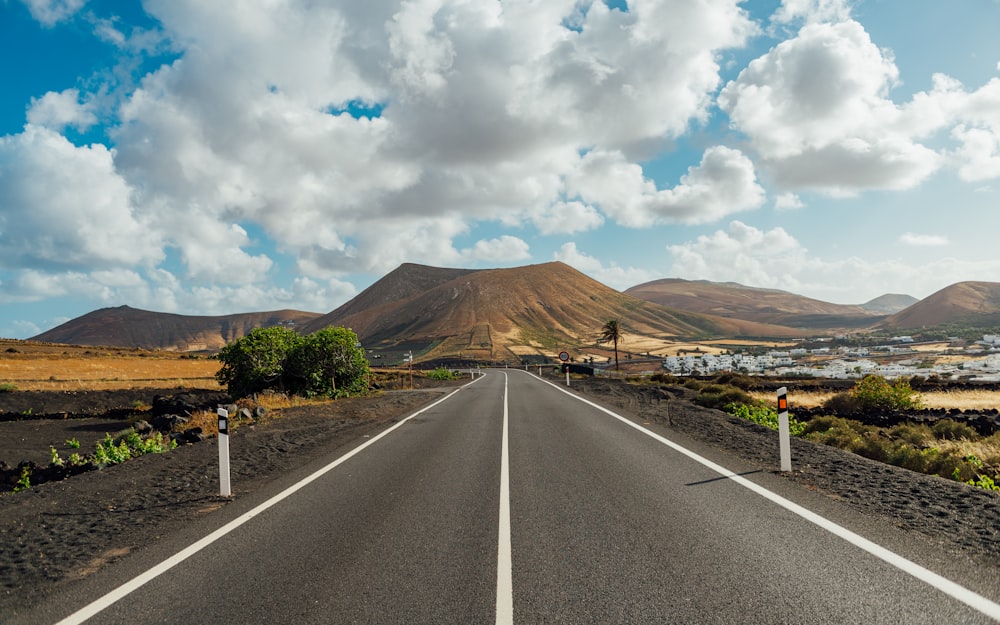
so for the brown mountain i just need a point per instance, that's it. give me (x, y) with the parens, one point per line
(770, 306)
(966, 303)
(131, 327)
(889, 304)
(491, 313)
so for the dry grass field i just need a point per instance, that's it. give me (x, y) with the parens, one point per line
(31, 366)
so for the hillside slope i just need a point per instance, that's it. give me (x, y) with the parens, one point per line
(131, 327)
(482, 313)
(965, 303)
(769, 306)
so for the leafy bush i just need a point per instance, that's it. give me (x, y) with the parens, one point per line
(911, 433)
(110, 451)
(738, 380)
(875, 393)
(946, 429)
(720, 396)
(441, 373)
(328, 362)
(8, 387)
(843, 404)
(257, 361)
(765, 415)
(984, 481)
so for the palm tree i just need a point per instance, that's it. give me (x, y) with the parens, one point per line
(611, 332)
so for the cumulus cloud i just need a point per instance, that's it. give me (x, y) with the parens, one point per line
(816, 109)
(723, 183)
(612, 275)
(67, 206)
(504, 249)
(788, 201)
(566, 218)
(775, 259)
(51, 12)
(482, 112)
(56, 111)
(923, 240)
(812, 11)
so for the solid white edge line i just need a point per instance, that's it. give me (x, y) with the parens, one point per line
(972, 599)
(505, 583)
(127, 588)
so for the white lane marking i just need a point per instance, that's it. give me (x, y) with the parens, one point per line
(950, 588)
(127, 588)
(505, 583)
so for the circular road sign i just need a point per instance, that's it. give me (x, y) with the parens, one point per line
(563, 356)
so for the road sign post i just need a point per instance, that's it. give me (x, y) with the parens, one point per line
(783, 434)
(224, 488)
(564, 357)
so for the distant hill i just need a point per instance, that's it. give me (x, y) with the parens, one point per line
(485, 313)
(974, 304)
(768, 306)
(889, 304)
(132, 327)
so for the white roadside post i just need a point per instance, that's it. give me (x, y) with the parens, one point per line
(564, 357)
(224, 488)
(783, 442)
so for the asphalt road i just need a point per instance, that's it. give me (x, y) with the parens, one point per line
(512, 502)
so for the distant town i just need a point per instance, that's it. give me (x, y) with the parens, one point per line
(901, 356)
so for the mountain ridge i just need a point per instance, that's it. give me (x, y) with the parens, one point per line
(537, 309)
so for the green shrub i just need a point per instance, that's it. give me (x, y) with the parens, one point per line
(442, 373)
(765, 415)
(984, 481)
(256, 362)
(720, 396)
(738, 380)
(914, 434)
(843, 404)
(875, 393)
(8, 387)
(328, 362)
(946, 429)
(694, 385)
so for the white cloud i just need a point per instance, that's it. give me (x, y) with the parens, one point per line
(775, 259)
(66, 206)
(816, 109)
(504, 249)
(56, 111)
(723, 183)
(616, 277)
(487, 107)
(566, 218)
(812, 11)
(51, 12)
(923, 240)
(788, 201)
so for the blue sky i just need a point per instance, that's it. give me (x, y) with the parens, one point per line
(212, 158)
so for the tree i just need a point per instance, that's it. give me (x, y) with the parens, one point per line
(875, 393)
(328, 362)
(257, 361)
(611, 332)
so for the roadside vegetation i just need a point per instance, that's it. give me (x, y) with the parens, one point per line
(107, 452)
(947, 448)
(328, 363)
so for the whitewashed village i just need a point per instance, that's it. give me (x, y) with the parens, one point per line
(901, 356)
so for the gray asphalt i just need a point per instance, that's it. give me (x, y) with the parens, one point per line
(608, 525)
